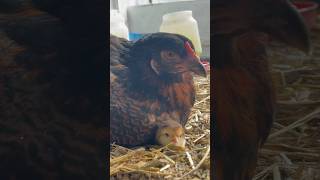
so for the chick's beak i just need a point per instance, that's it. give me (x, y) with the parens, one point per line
(179, 142)
(196, 66)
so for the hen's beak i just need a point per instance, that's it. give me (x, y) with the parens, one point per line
(196, 66)
(282, 21)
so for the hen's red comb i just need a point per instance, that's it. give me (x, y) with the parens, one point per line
(189, 49)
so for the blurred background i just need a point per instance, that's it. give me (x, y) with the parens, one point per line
(145, 16)
(292, 150)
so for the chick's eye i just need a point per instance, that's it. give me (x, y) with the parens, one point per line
(166, 134)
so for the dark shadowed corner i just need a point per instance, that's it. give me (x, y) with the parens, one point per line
(53, 89)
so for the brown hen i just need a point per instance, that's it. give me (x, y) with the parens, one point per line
(242, 90)
(151, 79)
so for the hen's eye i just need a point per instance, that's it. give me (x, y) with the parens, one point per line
(169, 54)
(166, 134)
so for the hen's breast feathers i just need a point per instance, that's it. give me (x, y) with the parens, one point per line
(178, 97)
(246, 88)
(133, 115)
(244, 106)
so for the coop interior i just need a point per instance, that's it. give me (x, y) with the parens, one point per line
(141, 17)
(292, 150)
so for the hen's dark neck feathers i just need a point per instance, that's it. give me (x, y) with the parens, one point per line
(144, 76)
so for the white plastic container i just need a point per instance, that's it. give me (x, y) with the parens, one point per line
(117, 25)
(183, 23)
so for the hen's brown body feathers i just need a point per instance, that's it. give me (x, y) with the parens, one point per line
(244, 110)
(52, 94)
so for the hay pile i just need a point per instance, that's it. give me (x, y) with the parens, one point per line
(293, 148)
(163, 163)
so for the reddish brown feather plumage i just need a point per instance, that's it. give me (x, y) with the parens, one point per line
(244, 108)
(242, 87)
(45, 104)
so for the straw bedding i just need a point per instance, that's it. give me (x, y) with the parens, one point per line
(292, 150)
